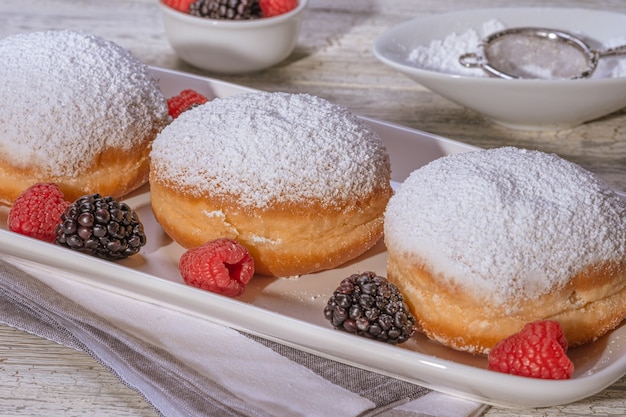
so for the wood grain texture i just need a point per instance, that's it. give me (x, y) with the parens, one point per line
(333, 60)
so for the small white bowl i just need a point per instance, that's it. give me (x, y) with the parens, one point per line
(233, 46)
(519, 104)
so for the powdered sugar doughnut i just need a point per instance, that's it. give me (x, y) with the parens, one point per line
(484, 242)
(77, 110)
(301, 182)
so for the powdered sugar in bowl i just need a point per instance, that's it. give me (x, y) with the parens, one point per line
(427, 49)
(232, 46)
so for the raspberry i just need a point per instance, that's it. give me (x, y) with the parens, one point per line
(186, 100)
(271, 8)
(537, 351)
(102, 227)
(37, 211)
(222, 266)
(370, 306)
(180, 5)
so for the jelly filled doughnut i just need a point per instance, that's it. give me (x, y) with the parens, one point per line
(482, 243)
(301, 182)
(76, 110)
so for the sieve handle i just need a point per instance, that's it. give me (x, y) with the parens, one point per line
(618, 50)
(474, 60)
(470, 60)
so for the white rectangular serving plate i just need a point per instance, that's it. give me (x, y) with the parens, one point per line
(290, 310)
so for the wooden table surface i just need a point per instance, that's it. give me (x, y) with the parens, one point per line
(333, 60)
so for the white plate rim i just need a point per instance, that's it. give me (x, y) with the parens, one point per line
(435, 373)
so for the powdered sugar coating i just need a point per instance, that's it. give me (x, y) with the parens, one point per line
(506, 222)
(67, 95)
(265, 148)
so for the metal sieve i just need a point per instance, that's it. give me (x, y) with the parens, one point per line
(536, 53)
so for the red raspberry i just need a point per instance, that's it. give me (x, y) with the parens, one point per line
(37, 211)
(537, 351)
(271, 8)
(184, 101)
(180, 5)
(222, 266)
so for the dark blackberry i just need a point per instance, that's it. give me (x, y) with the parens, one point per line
(370, 306)
(226, 9)
(101, 226)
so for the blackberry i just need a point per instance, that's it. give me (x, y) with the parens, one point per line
(370, 306)
(226, 9)
(101, 226)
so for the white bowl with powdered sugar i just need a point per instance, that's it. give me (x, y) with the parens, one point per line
(427, 49)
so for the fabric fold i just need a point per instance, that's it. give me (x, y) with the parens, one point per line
(184, 366)
(172, 388)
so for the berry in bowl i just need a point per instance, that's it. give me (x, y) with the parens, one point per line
(232, 36)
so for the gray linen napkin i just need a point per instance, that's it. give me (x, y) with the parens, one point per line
(169, 385)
